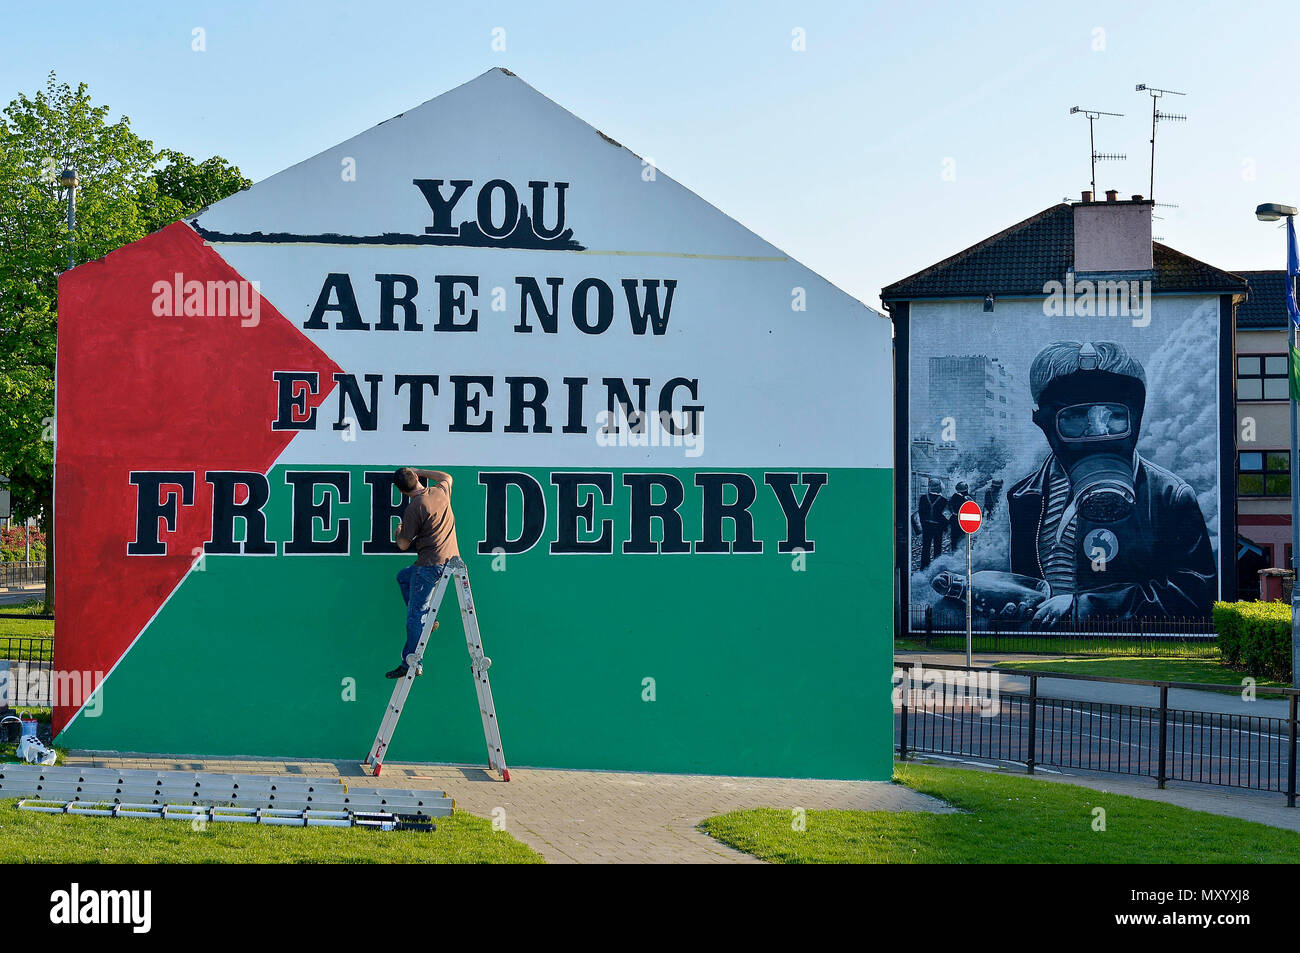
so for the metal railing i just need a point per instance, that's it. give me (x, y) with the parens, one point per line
(1157, 741)
(1187, 636)
(15, 574)
(26, 670)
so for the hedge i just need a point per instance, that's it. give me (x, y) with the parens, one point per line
(1255, 637)
(13, 547)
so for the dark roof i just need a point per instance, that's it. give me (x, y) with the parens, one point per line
(1265, 306)
(1021, 259)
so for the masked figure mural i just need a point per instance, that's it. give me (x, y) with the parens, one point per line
(929, 521)
(1112, 534)
(955, 532)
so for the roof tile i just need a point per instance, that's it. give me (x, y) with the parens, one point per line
(1266, 305)
(1020, 260)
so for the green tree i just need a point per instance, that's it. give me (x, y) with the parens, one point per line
(185, 187)
(126, 190)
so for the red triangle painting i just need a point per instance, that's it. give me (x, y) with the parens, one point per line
(165, 392)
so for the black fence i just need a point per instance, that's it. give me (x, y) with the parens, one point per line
(1191, 636)
(981, 720)
(15, 574)
(26, 670)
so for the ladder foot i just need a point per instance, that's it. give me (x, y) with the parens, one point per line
(505, 774)
(378, 768)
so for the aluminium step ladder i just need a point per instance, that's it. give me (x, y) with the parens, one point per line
(454, 569)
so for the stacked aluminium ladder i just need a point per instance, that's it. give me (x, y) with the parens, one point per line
(246, 798)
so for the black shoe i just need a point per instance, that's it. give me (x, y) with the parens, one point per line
(401, 670)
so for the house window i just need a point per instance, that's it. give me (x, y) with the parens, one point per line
(1264, 473)
(1262, 377)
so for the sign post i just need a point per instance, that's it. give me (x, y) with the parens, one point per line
(969, 518)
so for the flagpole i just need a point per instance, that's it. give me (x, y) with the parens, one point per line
(1271, 212)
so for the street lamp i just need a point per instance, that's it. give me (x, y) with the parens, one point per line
(68, 181)
(1272, 212)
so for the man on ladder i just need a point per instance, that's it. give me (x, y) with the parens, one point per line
(428, 526)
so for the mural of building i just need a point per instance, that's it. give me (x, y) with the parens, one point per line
(642, 430)
(1110, 482)
(971, 395)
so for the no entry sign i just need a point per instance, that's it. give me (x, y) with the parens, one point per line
(969, 516)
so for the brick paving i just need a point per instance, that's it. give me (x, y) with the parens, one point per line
(584, 816)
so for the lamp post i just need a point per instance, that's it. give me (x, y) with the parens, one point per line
(68, 181)
(1272, 212)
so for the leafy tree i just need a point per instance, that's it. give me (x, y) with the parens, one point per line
(185, 187)
(126, 190)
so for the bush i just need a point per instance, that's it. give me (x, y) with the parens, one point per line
(13, 549)
(1255, 637)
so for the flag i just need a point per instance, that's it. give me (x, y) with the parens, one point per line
(1292, 310)
(1292, 270)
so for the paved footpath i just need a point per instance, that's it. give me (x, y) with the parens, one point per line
(1227, 702)
(585, 816)
(17, 595)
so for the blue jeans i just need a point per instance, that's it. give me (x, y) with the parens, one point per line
(417, 583)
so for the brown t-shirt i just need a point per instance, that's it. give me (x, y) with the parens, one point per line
(430, 526)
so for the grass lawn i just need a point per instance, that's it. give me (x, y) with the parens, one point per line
(26, 627)
(23, 628)
(30, 607)
(1006, 819)
(1156, 669)
(27, 837)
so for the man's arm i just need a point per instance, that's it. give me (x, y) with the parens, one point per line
(405, 532)
(435, 476)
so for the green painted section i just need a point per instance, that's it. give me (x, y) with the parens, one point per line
(758, 669)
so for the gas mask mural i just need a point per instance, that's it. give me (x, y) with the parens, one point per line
(1093, 529)
(1091, 418)
(1112, 534)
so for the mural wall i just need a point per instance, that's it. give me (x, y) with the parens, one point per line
(700, 582)
(1092, 444)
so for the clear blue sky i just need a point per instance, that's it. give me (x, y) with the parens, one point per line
(835, 154)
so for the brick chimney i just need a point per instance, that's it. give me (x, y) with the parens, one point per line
(1112, 235)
